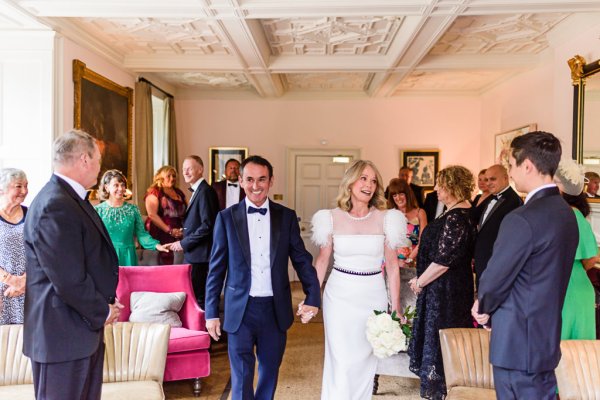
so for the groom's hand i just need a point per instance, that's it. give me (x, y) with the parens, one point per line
(213, 326)
(306, 313)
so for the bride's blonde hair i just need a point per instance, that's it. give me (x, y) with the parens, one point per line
(351, 175)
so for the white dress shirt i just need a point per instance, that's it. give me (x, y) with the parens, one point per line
(232, 193)
(534, 191)
(491, 204)
(259, 234)
(194, 188)
(77, 187)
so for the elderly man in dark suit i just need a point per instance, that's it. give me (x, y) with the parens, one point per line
(524, 285)
(253, 241)
(502, 200)
(72, 273)
(198, 225)
(228, 190)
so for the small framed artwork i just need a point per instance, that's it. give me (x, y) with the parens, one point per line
(425, 165)
(218, 157)
(503, 140)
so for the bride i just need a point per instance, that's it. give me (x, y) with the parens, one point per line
(361, 233)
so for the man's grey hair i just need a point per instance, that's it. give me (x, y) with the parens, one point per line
(70, 145)
(8, 176)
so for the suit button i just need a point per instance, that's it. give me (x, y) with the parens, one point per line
(111, 299)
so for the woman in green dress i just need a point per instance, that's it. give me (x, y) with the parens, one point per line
(123, 220)
(578, 314)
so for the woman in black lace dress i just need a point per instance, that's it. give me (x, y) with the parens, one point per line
(444, 281)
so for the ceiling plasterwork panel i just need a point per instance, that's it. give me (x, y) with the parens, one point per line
(157, 36)
(204, 80)
(331, 35)
(327, 81)
(498, 34)
(460, 81)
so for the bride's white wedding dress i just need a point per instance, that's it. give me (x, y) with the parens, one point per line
(354, 289)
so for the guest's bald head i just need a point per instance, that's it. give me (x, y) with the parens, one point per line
(497, 178)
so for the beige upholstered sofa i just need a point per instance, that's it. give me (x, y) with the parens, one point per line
(467, 367)
(134, 362)
(578, 373)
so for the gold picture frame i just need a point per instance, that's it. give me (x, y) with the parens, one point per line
(104, 109)
(218, 157)
(502, 143)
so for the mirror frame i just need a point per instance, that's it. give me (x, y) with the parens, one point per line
(580, 71)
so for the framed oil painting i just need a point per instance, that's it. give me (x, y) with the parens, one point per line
(104, 110)
(218, 157)
(425, 165)
(503, 140)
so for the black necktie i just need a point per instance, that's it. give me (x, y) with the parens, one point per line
(252, 210)
(191, 189)
(232, 184)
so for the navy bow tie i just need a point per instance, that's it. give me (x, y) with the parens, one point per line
(232, 184)
(252, 210)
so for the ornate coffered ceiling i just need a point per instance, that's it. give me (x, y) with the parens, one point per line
(378, 48)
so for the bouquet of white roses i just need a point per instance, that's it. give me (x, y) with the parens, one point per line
(384, 332)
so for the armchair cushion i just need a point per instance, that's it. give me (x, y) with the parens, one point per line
(161, 308)
(186, 340)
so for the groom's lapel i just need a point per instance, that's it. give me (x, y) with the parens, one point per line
(240, 220)
(276, 216)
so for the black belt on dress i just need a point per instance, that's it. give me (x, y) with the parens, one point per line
(361, 273)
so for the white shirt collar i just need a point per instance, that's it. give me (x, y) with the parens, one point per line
(249, 203)
(500, 193)
(197, 183)
(77, 187)
(534, 191)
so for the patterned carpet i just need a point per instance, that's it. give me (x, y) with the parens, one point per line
(300, 374)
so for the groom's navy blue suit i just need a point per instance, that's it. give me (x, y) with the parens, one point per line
(257, 321)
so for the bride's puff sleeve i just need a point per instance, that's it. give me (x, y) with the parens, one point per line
(394, 228)
(322, 228)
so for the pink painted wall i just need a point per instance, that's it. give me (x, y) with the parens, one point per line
(543, 95)
(71, 51)
(379, 127)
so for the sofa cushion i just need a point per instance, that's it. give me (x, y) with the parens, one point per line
(17, 392)
(183, 339)
(161, 308)
(147, 390)
(471, 393)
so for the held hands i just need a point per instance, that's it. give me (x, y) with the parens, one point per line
(175, 246)
(306, 313)
(162, 247)
(482, 319)
(115, 312)
(177, 233)
(213, 326)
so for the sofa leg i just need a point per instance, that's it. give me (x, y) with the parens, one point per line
(375, 384)
(197, 387)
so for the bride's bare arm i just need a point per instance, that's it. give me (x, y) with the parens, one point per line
(393, 277)
(322, 262)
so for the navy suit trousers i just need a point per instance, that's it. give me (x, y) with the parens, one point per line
(519, 385)
(259, 331)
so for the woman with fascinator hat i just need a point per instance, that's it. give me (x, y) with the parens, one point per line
(578, 313)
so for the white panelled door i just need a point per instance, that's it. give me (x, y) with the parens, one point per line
(317, 179)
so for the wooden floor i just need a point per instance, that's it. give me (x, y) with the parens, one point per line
(300, 374)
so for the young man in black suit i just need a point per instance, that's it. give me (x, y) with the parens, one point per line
(524, 285)
(502, 200)
(198, 225)
(72, 273)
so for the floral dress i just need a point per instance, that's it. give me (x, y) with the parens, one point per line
(446, 302)
(172, 212)
(12, 260)
(122, 224)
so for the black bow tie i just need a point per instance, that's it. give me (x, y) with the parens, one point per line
(232, 184)
(191, 189)
(496, 197)
(252, 210)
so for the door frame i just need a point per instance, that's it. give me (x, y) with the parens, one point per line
(293, 152)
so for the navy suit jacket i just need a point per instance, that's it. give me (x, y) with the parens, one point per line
(523, 287)
(221, 190)
(72, 274)
(230, 266)
(198, 225)
(488, 230)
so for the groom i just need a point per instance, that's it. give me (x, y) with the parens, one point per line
(251, 246)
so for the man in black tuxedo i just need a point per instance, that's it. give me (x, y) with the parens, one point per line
(198, 225)
(502, 200)
(253, 242)
(433, 207)
(228, 190)
(406, 174)
(524, 285)
(72, 273)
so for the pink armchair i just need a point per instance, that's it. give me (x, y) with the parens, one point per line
(187, 354)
